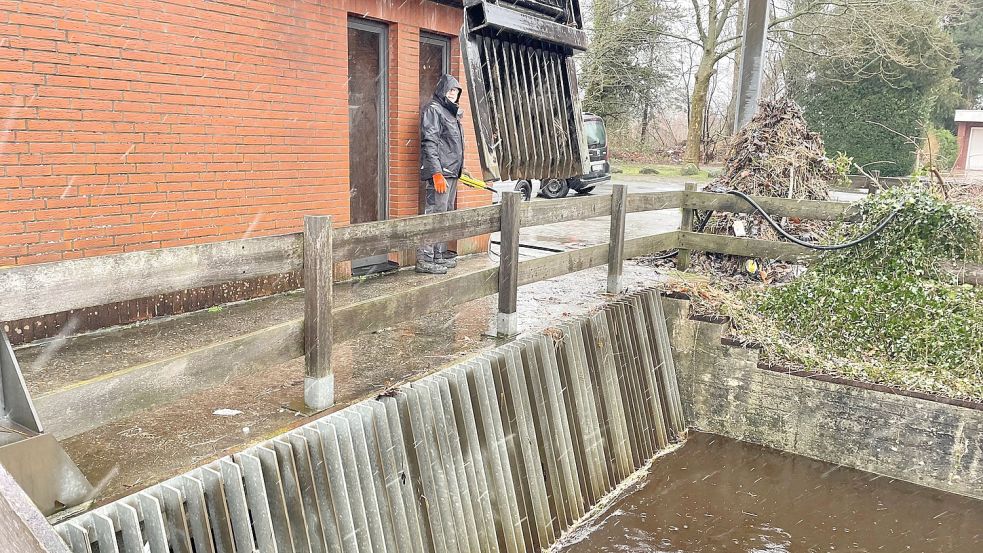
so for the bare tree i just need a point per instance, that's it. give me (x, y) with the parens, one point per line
(844, 32)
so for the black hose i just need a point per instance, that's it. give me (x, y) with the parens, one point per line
(824, 247)
(533, 247)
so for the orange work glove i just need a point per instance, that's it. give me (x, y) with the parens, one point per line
(439, 183)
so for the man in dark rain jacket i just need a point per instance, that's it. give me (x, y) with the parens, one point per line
(442, 154)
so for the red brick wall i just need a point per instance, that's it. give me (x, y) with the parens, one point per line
(136, 124)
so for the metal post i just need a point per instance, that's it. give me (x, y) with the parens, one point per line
(508, 270)
(318, 269)
(616, 243)
(686, 225)
(752, 60)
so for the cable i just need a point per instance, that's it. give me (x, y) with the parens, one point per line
(824, 247)
(706, 219)
(533, 247)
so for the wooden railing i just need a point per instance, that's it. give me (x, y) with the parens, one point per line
(36, 290)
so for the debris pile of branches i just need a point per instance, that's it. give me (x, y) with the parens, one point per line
(774, 155)
(777, 155)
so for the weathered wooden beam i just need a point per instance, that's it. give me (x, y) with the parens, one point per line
(654, 201)
(318, 287)
(686, 224)
(381, 237)
(508, 274)
(644, 245)
(557, 265)
(567, 209)
(745, 247)
(616, 241)
(776, 207)
(44, 288)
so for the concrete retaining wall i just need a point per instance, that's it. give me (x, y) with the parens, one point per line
(725, 392)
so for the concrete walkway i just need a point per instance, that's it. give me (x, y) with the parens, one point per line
(169, 434)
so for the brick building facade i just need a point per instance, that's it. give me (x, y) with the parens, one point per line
(136, 124)
(969, 140)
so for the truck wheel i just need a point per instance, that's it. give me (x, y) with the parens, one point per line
(555, 188)
(526, 189)
(585, 190)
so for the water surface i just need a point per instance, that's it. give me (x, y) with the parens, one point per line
(717, 494)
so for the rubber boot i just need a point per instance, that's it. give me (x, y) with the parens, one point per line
(449, 263)
(430, 268)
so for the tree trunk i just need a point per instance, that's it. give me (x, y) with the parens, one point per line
(697, 111)
(645, 124)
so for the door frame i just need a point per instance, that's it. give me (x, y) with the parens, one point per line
(381, 29)
(969, 149)
(442, 41)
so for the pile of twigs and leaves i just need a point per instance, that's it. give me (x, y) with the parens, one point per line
(777, 155)
(774, 155)
(884, 311)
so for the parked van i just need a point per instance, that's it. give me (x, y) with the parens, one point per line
(600, 170)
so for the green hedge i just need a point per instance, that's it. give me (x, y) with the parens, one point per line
(847, 116)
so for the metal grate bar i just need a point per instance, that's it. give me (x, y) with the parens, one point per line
(522, 86)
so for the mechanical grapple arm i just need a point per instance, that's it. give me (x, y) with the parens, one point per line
(522, 85)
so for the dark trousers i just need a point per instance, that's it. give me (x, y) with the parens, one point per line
(436, 203)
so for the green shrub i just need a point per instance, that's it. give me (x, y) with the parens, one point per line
(885, 306)
(864, 119)
(948, 149)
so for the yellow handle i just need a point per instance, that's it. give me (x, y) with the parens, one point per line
(474, 183)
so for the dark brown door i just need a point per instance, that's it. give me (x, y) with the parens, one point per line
(367, 128)
(435, 60)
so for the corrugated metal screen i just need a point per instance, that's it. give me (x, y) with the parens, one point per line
(522, 84)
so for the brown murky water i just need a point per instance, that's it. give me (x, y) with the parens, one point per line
(717, 494)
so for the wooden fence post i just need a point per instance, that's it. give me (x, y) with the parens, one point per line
(686, 225)
(616, 243)
(508, 266)
(318, 284)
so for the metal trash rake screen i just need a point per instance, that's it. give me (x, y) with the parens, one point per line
(522, 82)
(501, 453)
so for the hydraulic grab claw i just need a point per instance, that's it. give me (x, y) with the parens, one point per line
(522, 84)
